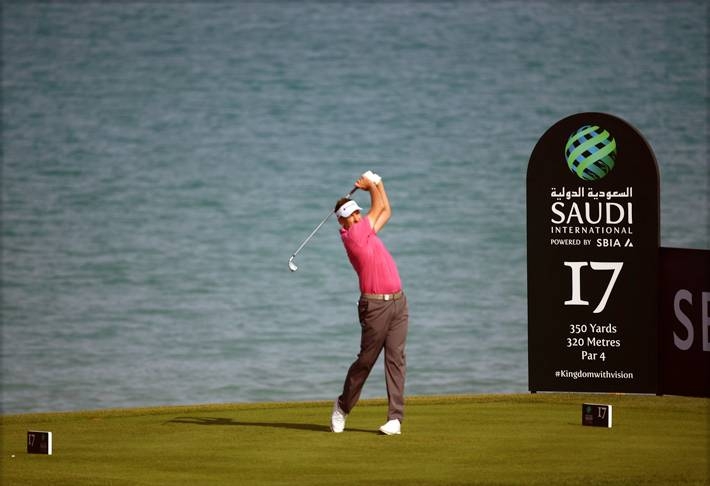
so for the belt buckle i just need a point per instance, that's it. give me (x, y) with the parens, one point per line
(388, 296)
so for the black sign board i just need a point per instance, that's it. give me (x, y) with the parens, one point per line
(593, 242)
(39, 442)
(685, 322)
(596, 415)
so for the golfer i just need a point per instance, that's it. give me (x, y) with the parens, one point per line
(382, 308)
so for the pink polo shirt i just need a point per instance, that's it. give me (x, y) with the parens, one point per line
(373, 264)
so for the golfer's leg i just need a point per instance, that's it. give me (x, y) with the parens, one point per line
(372, 339)
(396, 359)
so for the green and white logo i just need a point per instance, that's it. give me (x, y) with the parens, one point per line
(590, 152)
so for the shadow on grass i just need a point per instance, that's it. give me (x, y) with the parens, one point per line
(277, 425)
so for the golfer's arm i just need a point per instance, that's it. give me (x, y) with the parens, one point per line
(380, 210)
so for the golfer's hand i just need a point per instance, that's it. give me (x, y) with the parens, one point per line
(365, 184)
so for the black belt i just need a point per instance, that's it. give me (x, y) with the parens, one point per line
(395, 296)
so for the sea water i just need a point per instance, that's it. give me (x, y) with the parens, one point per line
(161, 162)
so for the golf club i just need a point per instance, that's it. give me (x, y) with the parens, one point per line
(292, 266)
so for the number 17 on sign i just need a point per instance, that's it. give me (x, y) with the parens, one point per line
(576, 268)
(596, 415)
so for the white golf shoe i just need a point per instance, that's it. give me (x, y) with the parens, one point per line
(393, 427)
(337, 419)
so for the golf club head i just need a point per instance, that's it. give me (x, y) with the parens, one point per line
(292, 266)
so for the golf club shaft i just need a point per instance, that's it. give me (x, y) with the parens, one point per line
(308, 238)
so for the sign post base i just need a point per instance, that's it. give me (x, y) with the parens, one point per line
(596, 415)
(39, 442)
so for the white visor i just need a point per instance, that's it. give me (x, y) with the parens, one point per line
(347, 209)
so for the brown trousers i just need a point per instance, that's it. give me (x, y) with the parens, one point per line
(384, 325)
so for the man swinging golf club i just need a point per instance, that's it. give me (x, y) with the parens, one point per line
(382, 308)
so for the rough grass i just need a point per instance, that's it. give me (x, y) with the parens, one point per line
(481, 439)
